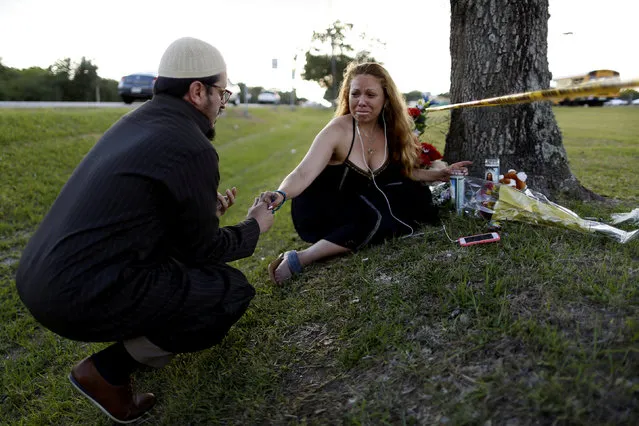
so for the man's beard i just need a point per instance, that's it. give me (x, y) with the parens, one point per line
(211, 133)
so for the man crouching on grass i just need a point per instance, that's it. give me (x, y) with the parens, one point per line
(132, 252)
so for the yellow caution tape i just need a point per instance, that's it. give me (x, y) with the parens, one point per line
(543, 95)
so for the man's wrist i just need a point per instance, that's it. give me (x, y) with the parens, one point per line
(250, 220)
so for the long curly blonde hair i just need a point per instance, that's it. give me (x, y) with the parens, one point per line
(403, 145)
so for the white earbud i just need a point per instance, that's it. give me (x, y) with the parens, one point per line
(361, 141)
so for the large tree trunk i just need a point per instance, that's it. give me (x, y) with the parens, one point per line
(499, 48)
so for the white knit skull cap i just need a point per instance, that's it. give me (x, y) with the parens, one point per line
(189, 57)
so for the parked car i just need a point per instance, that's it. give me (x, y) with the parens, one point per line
(268, 97)
(136, 87)
(635, 102)
(323, 103)
(615, 102)
(235, 95)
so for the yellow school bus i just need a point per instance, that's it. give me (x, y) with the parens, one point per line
(585, 79)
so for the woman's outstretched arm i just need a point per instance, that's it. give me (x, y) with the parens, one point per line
(319, 154)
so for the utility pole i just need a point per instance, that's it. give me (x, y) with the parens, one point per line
(332, 32)
(246, 101)
(274, 64)
(293, 82)
(333, 69)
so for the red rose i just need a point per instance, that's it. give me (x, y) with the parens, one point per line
(414, 112)
(423, 158)
(428, 154)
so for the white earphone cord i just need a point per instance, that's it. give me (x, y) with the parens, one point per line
(361, 141)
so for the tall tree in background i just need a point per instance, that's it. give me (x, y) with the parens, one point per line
(328, 69)
(85, 80)
(500, 48)
(629, 94)
(62, 71)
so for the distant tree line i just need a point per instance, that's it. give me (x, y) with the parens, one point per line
(62, 81)
(68, 81)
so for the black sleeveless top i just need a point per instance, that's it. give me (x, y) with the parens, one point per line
(352, 207)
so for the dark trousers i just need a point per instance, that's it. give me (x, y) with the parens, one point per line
(354, 221)
(207, 313)
(177, 308)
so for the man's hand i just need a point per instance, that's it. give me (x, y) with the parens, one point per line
(260, 212)
(224, 202)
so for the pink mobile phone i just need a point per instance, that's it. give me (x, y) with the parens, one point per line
(478, 239)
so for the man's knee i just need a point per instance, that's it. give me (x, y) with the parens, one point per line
(208, 314)
(196, 334)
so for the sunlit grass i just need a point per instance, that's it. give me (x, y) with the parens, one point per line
(540, 328)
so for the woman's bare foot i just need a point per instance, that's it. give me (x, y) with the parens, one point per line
(283, 272)
(284, 267)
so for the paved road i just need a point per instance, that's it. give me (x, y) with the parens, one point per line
(68, 105)
(92, 105)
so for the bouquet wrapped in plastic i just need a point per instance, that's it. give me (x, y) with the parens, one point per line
(500, 202)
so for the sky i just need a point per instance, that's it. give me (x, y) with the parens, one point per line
(124, 37)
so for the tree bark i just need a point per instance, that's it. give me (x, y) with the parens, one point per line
(500, 48)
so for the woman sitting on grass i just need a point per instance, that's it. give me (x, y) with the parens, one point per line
(360, 181)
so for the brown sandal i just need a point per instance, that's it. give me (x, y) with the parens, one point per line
(273, 266)
(294, 265)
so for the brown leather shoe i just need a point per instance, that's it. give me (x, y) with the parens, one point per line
(117, 402)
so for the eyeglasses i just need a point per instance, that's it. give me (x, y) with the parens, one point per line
(225, 94)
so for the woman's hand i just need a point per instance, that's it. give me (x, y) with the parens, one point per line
(273, 199)
(224, 202)
(444, 174)
(459, 168)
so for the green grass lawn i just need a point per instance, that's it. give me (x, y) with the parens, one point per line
(541, 328)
